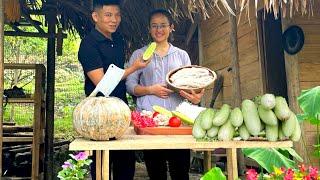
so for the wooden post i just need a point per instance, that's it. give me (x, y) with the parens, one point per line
(293, 84)
(51, 17)
(1, 77)
(236, 89)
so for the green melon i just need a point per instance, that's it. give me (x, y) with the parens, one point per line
(149, 51)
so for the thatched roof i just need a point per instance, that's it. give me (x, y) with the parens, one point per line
(75, 15)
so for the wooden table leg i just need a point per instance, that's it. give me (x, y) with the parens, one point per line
(207, 161)
(98, 165)
(105, 165)
(232, 163)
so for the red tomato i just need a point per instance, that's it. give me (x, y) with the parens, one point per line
(174, 122)
(154, 114)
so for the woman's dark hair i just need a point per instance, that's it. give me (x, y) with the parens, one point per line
(163, 12)
(98, 4)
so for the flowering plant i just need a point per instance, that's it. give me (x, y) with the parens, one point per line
(76, 167)
(300, 173)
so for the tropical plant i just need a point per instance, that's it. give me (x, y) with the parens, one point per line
(309, 102)
(267, 158)
(214, 173)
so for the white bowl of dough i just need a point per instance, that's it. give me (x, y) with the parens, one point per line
(191, 77)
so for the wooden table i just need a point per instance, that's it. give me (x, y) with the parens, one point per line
(131, 141)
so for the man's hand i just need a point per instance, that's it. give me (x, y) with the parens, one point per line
(193, 97)
(139, 63)
(160, 90)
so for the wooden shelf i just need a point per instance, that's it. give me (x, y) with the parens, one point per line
(20, 100)
(17, 139)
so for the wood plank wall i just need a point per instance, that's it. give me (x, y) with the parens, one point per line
(309, 68)
(216, 52)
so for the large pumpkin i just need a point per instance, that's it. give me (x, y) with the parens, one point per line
(101, 118)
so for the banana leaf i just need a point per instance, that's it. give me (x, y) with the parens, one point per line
(268, 158)
(214, 173)
(309, 102)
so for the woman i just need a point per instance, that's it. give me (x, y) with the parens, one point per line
(149, 86)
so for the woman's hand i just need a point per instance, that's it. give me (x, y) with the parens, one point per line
(193, 97)
(160, 90)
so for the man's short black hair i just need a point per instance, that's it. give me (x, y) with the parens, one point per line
(97, 4)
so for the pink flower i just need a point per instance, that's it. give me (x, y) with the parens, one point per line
(80, 156)
(302, 168)
(307, 177)
(289, 174)
(66, 165)
(313, 172)
(251, 174)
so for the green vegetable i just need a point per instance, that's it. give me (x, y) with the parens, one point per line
(162, 110)
(206, 119)
(149, 51)
(296, 135)
(272, 133)
(226, 132)
(244, 134)
(198, 132)
(236, 117)
(281, 109)
(267, 116)
(281, 136)
(183, 117)
(251, 117)
(268, 101)
(222, 115)
(213, 131)
(289, 125)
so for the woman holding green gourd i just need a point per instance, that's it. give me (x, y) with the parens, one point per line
(149, 86)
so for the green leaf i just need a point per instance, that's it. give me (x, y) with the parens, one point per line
(214, 173)
(309, 102)
(267, 158)
(293, 153)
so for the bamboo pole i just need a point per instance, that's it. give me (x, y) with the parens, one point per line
(236, 88)
(1, 77)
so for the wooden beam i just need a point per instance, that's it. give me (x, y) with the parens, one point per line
(14, 27)
(51, 60)
(31, 21)
(1, 76)
(77, 7)
(293, 84)
(32, 34)
(193, 28)
(236, 88)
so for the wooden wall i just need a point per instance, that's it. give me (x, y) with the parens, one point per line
(215, 39)
(215, 42)
(309, 68)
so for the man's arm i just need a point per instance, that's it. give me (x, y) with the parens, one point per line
(96, 75)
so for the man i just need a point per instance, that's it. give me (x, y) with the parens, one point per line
(100, 48)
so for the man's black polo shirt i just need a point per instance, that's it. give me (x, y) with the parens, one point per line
(97, 51)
